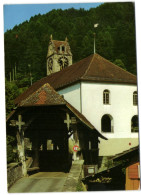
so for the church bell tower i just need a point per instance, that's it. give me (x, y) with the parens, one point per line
(59, 55)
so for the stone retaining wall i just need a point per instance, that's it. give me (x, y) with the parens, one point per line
(14, 172)
(74, 176)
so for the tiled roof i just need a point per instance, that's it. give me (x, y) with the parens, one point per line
(94, 68)
(57, 44)
(102, 70)
(45, 95)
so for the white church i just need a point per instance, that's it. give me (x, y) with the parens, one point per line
(103, 92)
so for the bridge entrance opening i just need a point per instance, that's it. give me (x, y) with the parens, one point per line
(48, 137)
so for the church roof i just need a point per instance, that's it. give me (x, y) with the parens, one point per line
(94, 68)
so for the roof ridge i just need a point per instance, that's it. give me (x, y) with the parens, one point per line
(59, 41)
(42, 86)
(54, 91)
(88, 66)
(30, 87)
(28, 97)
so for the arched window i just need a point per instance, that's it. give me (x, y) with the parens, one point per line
(107, 125)
(106, 96)
(134, 124)
(63, 48)
(135, 98)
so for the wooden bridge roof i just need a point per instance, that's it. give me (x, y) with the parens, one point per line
(47, 96)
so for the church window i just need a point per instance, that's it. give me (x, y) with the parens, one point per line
(106, 96)
(107, 124)
(134, 124)
(63, 48)
(135, 98)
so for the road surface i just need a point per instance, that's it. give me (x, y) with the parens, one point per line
(40, 182)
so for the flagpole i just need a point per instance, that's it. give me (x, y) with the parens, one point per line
(95, 26)
(94, 42)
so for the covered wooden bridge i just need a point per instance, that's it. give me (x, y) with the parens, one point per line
(47, 129)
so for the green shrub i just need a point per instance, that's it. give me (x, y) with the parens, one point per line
(11, 156)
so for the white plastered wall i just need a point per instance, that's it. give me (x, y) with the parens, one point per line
(121, 109)
(72, 95)
(88, 98)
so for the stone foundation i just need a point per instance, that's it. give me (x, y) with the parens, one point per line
(14, 172)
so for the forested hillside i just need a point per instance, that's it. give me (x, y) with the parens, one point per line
(26, 44)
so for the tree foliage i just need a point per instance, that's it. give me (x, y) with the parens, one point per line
(12, 90)
(120, 63)
(27, 43)
(11, 156)
(11, 93)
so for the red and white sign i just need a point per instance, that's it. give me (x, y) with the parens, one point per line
(75, 148)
